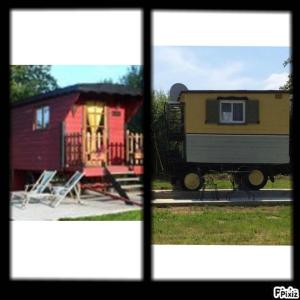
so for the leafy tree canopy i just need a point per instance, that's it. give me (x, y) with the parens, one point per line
(159, 130)
(159, 99)
(134, 77)
(107, 81)
(30, 80)
(288, 85)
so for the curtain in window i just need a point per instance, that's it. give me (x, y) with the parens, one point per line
(46, 116)
(94, 116)
(226, 112)
(39, 118)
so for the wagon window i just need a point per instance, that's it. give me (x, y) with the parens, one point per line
(42, 118)
(46, 116)
(232, 111)
(39, 118)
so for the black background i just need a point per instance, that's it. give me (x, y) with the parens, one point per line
(201, 289)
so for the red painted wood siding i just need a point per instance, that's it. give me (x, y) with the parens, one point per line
(74, 119)
(38, 149)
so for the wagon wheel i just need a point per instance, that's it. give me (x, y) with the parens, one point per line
(192, 181)
(255, 179)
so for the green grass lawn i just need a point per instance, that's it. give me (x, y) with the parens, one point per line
(161, 184)
(208, 225)
(133, 215)
(281, 182)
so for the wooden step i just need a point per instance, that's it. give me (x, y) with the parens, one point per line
(122, 173)
(132, 186)
(128, 179)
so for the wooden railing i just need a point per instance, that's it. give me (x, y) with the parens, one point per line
(99, 155)
(116, 154)
(99, 141)
(134, 148)
(73, 149)
(128, 153)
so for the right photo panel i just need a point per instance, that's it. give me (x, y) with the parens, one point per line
(221, 116)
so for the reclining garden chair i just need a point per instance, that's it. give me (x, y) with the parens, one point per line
(58, 193)
(38, 187)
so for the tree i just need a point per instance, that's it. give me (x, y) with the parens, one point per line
(106, 81)
(30, 80)
(158, 131)
(159, 99)
(288, 85)
(134, 79)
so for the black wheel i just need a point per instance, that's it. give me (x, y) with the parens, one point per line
(192, 181)
(255, 179)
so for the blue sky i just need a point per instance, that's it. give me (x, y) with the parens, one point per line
(73, 74)
(200, 67)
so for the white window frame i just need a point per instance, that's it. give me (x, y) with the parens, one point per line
(43, 109)
(232, 121)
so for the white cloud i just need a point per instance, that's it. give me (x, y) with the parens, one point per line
(229, 76)
(202, 70)
(275, 80)
(177, 65)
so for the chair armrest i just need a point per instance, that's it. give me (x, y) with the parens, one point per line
(27, 186)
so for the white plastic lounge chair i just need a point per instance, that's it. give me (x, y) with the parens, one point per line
(42, 183)
(38, 187)
(58, 193)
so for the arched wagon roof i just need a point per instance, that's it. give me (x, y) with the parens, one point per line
(85, 88)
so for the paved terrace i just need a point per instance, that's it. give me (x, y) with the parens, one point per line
(93, 204)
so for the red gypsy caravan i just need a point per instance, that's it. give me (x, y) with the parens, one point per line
(80, 127)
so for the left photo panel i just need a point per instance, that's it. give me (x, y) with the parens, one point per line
(76, 144)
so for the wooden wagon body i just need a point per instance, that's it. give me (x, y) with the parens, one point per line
(241, 131)
(80, 127)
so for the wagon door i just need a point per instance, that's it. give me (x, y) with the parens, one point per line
(95, 133)
(116, 136)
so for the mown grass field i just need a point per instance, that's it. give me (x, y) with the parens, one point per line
(134, 215)
(208, 225)
(281, 182)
